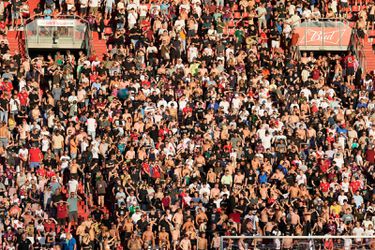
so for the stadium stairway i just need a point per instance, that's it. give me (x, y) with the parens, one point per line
(16, 41)
(98, 46)
(368, 50)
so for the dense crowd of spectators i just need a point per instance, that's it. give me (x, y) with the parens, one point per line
(201, 121)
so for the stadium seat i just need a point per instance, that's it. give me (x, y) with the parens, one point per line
(371, 33)
(108, 31)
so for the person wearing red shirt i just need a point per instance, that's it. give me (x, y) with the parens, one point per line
(62, 212)
(35, 157)
(163, 132)
(49, 172)
(355, 185)
(349, 61)
(325, 164)
(7, 86)
(370, 154)
(187, 109)
(23, 96)
(324, 186)
(41, 171)
(166, 202)
(49, 225)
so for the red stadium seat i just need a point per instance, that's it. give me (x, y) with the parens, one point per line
(108, 31)
(371, 33)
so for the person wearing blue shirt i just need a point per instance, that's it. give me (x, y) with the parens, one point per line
(69, 243)
(358, 199)
(340, 129)
(164, 8)
(47, 13)
(263, 178)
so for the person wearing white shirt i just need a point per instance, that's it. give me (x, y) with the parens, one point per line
(358, 231)
(73, 186)
(91, 127)
(266, 140)
(94, 5)
(342, 197)
(132, 18)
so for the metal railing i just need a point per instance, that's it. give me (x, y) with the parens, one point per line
(358, 51)
(298, 242)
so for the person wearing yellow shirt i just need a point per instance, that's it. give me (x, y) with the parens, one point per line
(335, 208)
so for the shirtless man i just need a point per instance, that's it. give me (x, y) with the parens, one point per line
(135, 243)
(263, 192)
(178, 218)
(293, 191)
(74, 167)
(201, 217)
(164, 239)
(267, 230)
(287, 244)
(294, 218)
(128, 227)
(188, 224)
(211, 176)
(175, 237)
(185, 243)
(148, 237)
(202, 242)
(215, 191)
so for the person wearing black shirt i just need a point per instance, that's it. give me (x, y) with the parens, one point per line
(97, 214)
(142, 223)
(23, 243)
(121, 211)
(135, 35)
(3, 47)
(4, 109)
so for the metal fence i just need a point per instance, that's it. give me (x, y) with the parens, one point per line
(328, 242)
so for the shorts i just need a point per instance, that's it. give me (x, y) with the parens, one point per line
(15, 15)
(350, 71)
(34, 164)
(73, 216)
(371, 18)
(74, 175)
(275, 44)
(69, 6)
(108, 9)
(344, 5)
(57, 151)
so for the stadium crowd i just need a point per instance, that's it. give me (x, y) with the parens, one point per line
(201, 121)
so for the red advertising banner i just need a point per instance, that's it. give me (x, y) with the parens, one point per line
(323, 36)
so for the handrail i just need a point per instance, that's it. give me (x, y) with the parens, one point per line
(358, 50)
